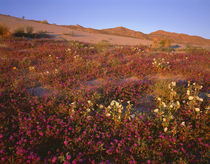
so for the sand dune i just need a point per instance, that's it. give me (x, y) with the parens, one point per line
(62, 32)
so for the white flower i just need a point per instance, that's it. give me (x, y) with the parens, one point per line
(101, 106)
(113, 103)
(178, 103)
(171, 117)
(73, 103)
(132, 116)
(88, 109)
(164, 119)
(190, 97)
(173, 83)
(164, 104)
(197, 109)
(128, 102)
(108, 115)
(119, 111)
(159, 99)
(183, 123)
(89, 102)
(89, 117)
(156, 110)
(117, 104)
(31, 68)
(165, 129)
(199, 99)
(188, 92)
(208, 107)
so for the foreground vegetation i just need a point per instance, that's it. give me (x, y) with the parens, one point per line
(69, 102)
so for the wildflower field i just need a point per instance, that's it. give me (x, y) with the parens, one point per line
(71, 102)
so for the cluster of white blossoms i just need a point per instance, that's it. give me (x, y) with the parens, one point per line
(193, 99)
(160, 63)
(31, 68)
(46, 72)
(168, 106)
(76, 56)
(68, 50)
(56, 70)
(115, 109)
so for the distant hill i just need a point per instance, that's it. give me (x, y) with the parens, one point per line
(179, 38)
(117, 35)
(160, 34)
(122, 31)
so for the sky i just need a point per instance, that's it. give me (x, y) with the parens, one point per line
(182, 16)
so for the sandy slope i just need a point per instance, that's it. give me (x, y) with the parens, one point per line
(58, 31)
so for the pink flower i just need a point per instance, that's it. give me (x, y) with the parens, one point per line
(54, 159)
(74, 162)
(68, 157)
(65, 143)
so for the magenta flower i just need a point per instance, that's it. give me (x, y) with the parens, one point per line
(54, 159)
(68, 157)
(65, 143)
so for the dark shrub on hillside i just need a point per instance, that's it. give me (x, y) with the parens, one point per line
(29, 29)
(20, 32)
(4, 30)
